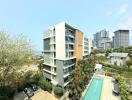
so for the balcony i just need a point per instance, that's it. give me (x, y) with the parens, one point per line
(49, 64)
(70, 50)
(70, 57)
(49, 33)
(66, 75)
(67, 66)
(52, 40)
(51, 43)
(47, 75)
(67, 72)
(49, 71)
(66, 83)
(50, 50)
(71, 36)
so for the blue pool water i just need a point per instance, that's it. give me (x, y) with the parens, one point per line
(94, 90)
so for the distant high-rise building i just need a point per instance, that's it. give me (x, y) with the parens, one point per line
(113, 42)
(105, 44)
(121, 38)
(102, 40)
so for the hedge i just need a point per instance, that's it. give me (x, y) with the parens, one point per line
(58, 91)
(45, 85)
(6, 92)
(123, 88)
(119, 68)
(4, 98)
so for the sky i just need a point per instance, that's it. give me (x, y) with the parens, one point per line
(32, 17)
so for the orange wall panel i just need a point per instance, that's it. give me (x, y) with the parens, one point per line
(78, 45)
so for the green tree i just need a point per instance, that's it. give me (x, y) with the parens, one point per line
(58, 91)
(41, 65)
(45, 85)
(129, 63)
(15, 51)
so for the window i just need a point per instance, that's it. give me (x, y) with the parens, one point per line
(54, 54)
(55, 70)
(53, 76)
(66, 79)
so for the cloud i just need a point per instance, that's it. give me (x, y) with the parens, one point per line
(123, 9)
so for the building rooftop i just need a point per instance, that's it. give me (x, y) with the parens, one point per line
(121, 30)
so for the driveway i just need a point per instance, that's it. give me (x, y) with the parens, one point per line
(20, 96)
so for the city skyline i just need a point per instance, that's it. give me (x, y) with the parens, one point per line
(32, 18)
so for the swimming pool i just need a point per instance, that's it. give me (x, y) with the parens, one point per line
(94, 89)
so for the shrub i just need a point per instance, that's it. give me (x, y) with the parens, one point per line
(45, 85)
(4, 98)
(58, 91)
(36, 78)
(123, 87)
(109, 74)
(6, 92)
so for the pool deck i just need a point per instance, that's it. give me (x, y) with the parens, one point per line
(83, 94)
(107, 89)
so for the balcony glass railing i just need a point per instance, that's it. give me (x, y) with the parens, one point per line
(49, 33)
(68, 64)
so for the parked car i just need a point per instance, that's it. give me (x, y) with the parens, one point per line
(28, 92)
(34, 87)
(116, 89)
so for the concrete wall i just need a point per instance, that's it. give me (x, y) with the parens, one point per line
(59, 70)
(60, 41)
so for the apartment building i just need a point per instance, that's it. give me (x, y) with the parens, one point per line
(63, 47)
(121, 38)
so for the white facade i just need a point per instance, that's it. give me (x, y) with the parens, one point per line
(85, 46)
(59, 57)
(90, 45)
(60, 41)
(117, 58)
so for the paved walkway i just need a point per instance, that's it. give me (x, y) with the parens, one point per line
(39, 95)
(43, 95)
(107, 89)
